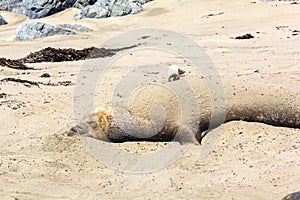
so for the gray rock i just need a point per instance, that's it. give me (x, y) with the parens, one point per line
(136, 7)
(89, 8)
(36, 8)
(99, 10)
(2, 21)
(108, 8)
(77, 17)
(120, 8)
(143, 1)
(42, 8)
(31, 29)
(83, 3)
(12, 5)
(77, 27)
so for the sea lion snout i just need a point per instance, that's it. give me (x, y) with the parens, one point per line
(80, 129)
(93, 126)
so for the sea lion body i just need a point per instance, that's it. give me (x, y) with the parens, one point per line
(161, 112)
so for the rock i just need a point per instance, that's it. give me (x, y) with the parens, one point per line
(99, 10)
(89, 8)
(77, 27)
(2, 21)
(36, 8)
(143, 1)
(31, 29)
(77, 17)
(136, 7)
(83, 3)
(120, 8)
(111, 8)
(42, 8)
(12, 5)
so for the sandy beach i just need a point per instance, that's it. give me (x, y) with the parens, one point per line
(249, 161)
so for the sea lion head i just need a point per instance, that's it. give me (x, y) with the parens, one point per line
(95, 124)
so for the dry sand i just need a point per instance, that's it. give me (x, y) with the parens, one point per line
(250, 160)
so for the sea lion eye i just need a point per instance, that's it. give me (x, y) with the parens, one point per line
(93, 124)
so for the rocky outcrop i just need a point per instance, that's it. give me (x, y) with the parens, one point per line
(36, 8)
(31, 29)
(2, 21)
(120, 7)
(42, 8)
(89, 8)
(111, 8)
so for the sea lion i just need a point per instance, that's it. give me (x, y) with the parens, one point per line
(245, 100)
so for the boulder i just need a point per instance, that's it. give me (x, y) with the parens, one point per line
(120, 8)
(136, 6)
(2, 21)
(100, 9)
(111, 8)
(12, 5)
(31, 29)
(83, 3)
(89, 8)
(42, 8)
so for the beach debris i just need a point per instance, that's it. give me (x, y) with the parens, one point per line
(211, 15)
(2, 21)
(31, 29)
(28, 83)
(281, 27)
(295, 32)
(45, 75)
(15, 64)
(244, 37)
(3, 95)
(17, 80)
(50, 54)
(174, 73)
(63, 83)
